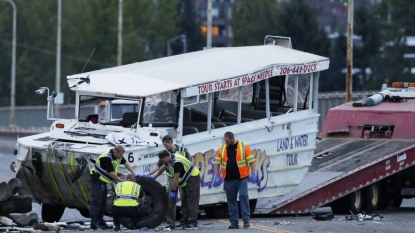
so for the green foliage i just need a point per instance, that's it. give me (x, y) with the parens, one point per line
(147, 25)
(298, 21)
(253, 20)
(389, 63)
(189, 25)
(333, 79)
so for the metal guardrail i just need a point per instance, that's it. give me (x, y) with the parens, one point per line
(32, 119)
(333, 99)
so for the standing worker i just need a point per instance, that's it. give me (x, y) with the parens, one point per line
(234, 159)
(186, 176)
(104, 172)
(159, 169)
(128, 202)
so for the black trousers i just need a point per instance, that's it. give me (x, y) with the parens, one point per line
(98, 201)
(190, 200)
(133, 212)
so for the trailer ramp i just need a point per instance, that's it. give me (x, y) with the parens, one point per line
(339, 167)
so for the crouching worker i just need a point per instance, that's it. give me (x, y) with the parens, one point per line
(128, 202)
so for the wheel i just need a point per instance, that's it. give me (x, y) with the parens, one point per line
(52, 213)
(395, 201)
(384, 202)
(355, 201)
(84, 213)
(217, 211)
(351, 202)
(156, 202)
(372, 197)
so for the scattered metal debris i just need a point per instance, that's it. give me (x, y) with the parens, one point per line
(283, 223)
(364, 216)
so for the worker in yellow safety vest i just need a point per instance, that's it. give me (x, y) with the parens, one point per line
(104, 172)
(160, 168)
(128, 202)
(186, 176)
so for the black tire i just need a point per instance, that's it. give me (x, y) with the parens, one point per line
(384, 202)
(217, 211)
(84, 213)
(156, 202)
(371, 198)
(395, 201)
(52, 213)
(351, 202)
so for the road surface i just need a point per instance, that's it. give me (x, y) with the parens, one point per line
(398, 220)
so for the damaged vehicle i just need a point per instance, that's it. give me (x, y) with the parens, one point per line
(266, 95)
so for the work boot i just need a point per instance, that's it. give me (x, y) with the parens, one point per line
(103, 225)
(169, 227)
(117, 228)
(131, 225)
(94, 227)
(233, 226)
(246, 224)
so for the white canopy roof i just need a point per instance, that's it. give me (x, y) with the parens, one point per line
(189, 70)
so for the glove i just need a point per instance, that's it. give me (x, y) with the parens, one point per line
(254, 178)
(139, 175)
(151, 177)
(124, 179)
(173, 194)
(218, 181)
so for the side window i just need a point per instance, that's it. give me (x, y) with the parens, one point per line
(195, 100)
(303, 89)
(232, 94)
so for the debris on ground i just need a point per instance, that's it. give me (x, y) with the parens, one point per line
(322, 216)
(283, 223)
(364, 216)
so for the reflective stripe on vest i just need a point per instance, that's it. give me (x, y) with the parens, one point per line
(179, 150)
(127, 194)
(240, 163)
(244, 156)
(189, 168)
(104, 176)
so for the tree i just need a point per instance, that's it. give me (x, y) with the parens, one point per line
(253, 20)
(298, 21)
(35, 51)
(189, 25)
(334, 79)
(399, 13)
(389, 64)
(86, 25)
(364, 53)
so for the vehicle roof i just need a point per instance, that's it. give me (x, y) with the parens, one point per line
(190, 69)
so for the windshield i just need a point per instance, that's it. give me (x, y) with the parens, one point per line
(161, 109)
(105, 110)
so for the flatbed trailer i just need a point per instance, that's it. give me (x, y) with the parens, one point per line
(341, 167)
(364, 162)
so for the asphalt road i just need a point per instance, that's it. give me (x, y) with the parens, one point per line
(396, 220)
